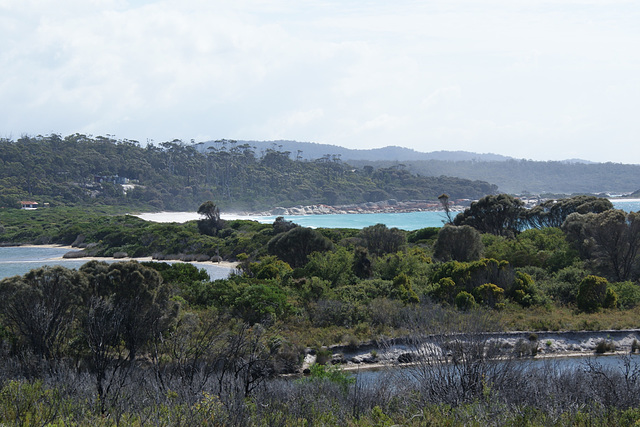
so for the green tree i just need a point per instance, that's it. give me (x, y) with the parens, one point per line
(611, 239)
(380, 240)
(444, 201)
(294, 246)
(211, 222)
(552, 213)
(547, 248)
(496, 214)
(332, 266)
(270, 267)
(260, 302)
(458, 243)
(138, 294)
(41, 306)
(523, 290)
(362, 266)
(281, 225)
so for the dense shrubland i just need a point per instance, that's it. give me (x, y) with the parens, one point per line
(153, 343)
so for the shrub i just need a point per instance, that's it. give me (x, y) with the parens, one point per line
(604, 346)
(489, 294)
(628, 294)
(523, 290)
(462, 243)
(323, 355)
(403, 290)
(592, 294)
(465, 301)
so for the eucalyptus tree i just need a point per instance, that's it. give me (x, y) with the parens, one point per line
(41, 306)
(552, 213)
(211, 222)
(137, 294)
(501, 214)
(610, 240)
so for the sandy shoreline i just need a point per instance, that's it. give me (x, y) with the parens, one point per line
(223, 264)
(71, 248)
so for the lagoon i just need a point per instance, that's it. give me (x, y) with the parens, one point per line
(19, 260)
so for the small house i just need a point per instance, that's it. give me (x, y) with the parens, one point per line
(29, 205)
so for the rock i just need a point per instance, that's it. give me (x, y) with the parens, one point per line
(119, 255)
(337, 359)
(79, 240)
(407, 358)
(75, 254)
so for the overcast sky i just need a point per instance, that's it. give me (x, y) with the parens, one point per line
(534, 79)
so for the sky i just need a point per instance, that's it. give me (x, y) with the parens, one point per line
(532, 79)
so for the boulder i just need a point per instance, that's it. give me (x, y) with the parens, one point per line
(407, 358)
(75, 254)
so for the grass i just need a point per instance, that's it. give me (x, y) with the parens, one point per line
(558, 318)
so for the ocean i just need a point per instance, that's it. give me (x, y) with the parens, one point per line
(406, 221)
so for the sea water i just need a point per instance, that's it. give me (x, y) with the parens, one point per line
(19, 260)
(406, 221)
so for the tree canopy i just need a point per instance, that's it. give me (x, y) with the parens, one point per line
(176, 175)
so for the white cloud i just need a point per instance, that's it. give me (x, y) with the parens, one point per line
(495, 76)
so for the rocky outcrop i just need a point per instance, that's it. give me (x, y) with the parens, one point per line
(386, 206)
(507, 344)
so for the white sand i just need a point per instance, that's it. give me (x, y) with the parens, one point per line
(181, 217)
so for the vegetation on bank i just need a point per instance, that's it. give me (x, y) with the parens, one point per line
(84, 170)
(153, 343)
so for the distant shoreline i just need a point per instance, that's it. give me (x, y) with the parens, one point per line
(387, 206)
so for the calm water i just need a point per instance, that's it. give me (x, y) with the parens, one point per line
(612, 362)
(14, 261)
(19, 260)
(405, 221)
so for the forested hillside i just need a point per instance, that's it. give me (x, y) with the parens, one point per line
(80, 169)
(521, 176)
(313, 150)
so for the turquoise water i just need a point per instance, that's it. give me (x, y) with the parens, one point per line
(20, 260)
(630, 205)
(406, 221)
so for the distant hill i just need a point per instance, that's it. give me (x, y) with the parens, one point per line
(509, 174)
(526, 176)
(313, 151)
